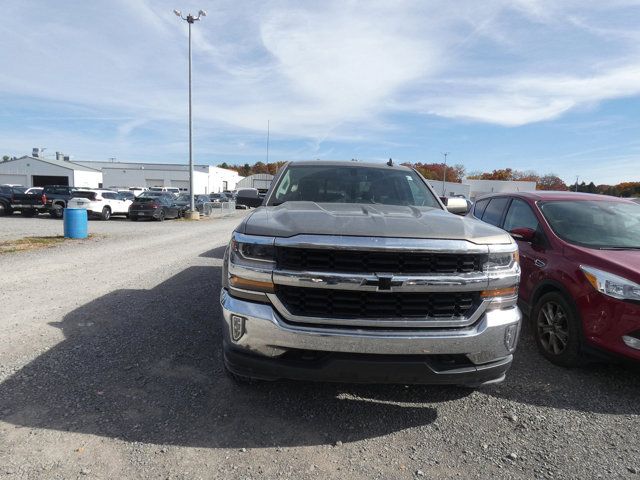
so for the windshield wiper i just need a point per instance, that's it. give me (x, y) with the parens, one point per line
(620, 248)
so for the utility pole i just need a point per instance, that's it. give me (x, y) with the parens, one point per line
(444, 173)
(577, 177)
(268, 121)
(190, 19)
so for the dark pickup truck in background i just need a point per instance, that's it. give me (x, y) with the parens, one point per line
(52, 200)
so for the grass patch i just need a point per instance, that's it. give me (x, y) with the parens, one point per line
(30, 243)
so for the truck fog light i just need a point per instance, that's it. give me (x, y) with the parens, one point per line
(511, 337)
(237, 327)
(632, 342)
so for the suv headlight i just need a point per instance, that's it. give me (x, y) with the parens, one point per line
(612, 285)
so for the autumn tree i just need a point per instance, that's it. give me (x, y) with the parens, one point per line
(551, 181)
(435, 171)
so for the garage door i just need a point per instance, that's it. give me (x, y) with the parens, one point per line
(14, 179)
(45, 180)
(181, 184)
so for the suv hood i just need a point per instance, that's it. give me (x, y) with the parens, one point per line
(366, 220)
(624, 263)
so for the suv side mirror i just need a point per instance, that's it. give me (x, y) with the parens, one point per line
(457, 205)
(523, 233)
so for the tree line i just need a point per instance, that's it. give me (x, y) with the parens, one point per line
(457, 173)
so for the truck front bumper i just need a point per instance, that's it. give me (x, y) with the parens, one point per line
(259, 343)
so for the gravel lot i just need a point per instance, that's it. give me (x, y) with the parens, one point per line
(110, 367)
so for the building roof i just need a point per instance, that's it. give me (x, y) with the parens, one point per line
(176, 167)
(59, 163)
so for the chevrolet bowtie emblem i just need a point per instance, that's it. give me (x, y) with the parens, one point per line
(383, 282)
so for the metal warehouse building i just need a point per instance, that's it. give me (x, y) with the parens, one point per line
(206, 178)
(260, 181)
(35, 171)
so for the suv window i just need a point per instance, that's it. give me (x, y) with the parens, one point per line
(495, 209)
(479, 208)
(520, 215)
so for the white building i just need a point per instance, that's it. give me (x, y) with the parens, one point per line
(206, 178)
(483, 187)
(35, 171)
(450, 188)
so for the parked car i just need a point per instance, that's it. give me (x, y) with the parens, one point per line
(13, 199)
(56, 198)
(248, 197)
(155, 207)
(126, 195)
(157, 193)
(356, 272)
(218, 197)
(183, 201)
(172, 190)
(137, 191)
(100, 203)
(580, 259)
(7, 193)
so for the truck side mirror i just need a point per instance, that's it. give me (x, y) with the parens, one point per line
(457, 205)
(523, 233)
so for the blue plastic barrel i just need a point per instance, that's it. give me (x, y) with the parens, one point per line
(75, 223)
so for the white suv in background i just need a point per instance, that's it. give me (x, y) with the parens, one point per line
(102, 203)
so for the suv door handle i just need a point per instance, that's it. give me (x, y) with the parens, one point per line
(539, 263)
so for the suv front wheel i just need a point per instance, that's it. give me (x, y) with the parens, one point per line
(556, 330)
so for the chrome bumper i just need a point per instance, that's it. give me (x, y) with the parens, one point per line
(492, 337)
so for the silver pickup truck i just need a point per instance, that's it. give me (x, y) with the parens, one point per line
(357, 272)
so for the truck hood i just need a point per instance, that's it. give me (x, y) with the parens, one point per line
(366, 220)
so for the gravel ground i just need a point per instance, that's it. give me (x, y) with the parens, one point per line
(110, 367)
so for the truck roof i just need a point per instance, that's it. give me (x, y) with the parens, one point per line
(347, 163)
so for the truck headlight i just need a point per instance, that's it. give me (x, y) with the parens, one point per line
(261, 250)
(501, 260)
(611, 285)
(251, 263)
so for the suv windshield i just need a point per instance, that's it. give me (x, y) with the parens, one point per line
(595, 224)
(352, 184)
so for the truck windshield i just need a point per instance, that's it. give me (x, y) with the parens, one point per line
(352, 184)
(595, 224)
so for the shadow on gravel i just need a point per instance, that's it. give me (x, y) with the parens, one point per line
(215, 253)
(145, 365)
(597, 388)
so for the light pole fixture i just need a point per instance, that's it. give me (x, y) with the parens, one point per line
(190, 19)
(444, 173)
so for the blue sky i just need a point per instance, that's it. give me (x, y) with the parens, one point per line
(547, 85)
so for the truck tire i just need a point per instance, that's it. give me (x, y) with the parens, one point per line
(557, 330)
(4, 210)
(105, 214)
(57, 211)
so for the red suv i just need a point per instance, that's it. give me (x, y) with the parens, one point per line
(580, 259)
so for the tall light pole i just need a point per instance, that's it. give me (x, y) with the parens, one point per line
(444, 173)
(190, 19)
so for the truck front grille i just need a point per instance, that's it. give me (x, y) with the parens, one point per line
(331, 260)
(327, 303)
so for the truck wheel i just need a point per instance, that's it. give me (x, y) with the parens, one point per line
(161, 216)
(28, 213)
(3, 209)
(57, 211)
(106, 213)
(557, 330)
